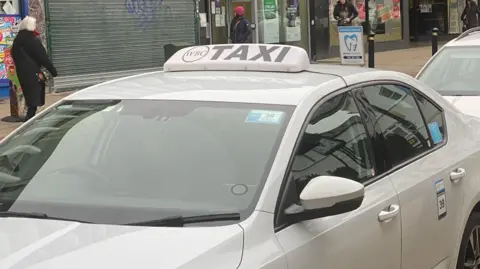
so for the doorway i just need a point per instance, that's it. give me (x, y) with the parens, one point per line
(219, 21)
(221, 14)
(247, 5)
(425, 15)
(319, 29)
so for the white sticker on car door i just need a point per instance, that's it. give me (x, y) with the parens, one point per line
(441, 198)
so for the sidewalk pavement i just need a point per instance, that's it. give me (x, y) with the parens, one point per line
(408, 61)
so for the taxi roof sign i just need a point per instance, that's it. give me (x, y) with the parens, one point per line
(239, 57)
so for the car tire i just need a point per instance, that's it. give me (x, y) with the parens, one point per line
(467, 256)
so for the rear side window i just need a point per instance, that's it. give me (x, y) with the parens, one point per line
(433, 117)
(399, 119)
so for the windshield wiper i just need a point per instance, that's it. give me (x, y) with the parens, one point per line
(35, 215)
(179, 221)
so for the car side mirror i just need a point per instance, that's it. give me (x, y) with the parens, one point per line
(326, 196)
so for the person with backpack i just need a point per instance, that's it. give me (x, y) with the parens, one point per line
(239, 28)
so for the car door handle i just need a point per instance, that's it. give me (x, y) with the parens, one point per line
(389, 213)
(457, 175)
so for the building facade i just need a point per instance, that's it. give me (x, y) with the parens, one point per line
(442, 14)
(305, 23)
(91, 41)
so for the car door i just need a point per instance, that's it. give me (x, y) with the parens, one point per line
(335, 142)
(412, 131)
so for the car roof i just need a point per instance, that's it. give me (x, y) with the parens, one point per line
(468, 38)
(277, 87)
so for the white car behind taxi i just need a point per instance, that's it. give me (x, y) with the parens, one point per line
(244, 156)
(454, 72)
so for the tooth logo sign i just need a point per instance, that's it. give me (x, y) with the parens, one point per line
(351, 42)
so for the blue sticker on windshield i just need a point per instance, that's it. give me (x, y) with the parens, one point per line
(437, 136)
(264, 116)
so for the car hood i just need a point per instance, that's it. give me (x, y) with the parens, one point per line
(469, 105)
(42, 244)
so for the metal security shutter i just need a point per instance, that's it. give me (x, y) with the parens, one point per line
(95, 40)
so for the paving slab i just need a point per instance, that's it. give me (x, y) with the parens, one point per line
(408, 61)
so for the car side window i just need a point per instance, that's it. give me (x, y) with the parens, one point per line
(334, 143)
(398, 120)
(433, 118)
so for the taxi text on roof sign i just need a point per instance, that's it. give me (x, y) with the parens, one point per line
(239, 57)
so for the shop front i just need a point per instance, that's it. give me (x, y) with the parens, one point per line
(215, 17)
(445, 15)
(283, 22)
(385, 17)
(304, 23)
(91, 41)
(271, 21)
(11, 13)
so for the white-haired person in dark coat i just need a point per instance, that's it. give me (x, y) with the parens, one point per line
(29, 57)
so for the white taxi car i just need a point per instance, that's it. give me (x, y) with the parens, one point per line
(244, 156)
(454, 72)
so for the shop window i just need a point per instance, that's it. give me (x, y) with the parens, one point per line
(385, 19)
(283, 22)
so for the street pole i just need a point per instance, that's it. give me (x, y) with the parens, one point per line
(370, 37)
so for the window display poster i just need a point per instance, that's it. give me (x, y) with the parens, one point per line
(269, 7)
(281, 21)
(455, 10)
(384, 18)
(396, 10)
(293, 23)
(7, 34)
(203, 19)
(361, 10)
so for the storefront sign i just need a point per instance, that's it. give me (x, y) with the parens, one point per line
(351, 45)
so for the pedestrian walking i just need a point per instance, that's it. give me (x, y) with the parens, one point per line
(469, 15)
(29, 56)
(239, 27)
(344, 12)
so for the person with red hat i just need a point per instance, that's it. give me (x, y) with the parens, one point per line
(239, 28)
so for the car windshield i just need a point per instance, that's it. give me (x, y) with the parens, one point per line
(453, 71)
(127, 161)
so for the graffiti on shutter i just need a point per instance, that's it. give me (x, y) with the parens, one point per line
(145, 10)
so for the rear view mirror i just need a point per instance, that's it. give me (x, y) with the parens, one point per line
(327, 196)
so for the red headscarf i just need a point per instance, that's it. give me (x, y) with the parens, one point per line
(240, 11)
(35, 33)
